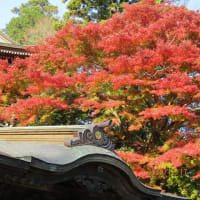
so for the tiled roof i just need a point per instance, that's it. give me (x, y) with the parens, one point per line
(6, 39)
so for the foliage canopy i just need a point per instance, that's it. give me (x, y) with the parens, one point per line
(96, 10)
(28, 14)
(43, 28)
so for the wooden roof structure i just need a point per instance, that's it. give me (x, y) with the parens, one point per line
(81, 164)
(9, 49)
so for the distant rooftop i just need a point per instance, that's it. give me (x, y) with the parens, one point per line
(9, 49)
(7, 41)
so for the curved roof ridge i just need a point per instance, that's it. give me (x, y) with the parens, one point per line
(7, 38)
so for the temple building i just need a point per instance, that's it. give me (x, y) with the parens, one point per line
(10, 49)
(75, 162)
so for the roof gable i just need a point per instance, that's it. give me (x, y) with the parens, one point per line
(5, 39)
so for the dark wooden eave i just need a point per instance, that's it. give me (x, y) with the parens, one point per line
(13, 49)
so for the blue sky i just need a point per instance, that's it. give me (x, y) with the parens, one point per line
(193, 4)
(7, 5)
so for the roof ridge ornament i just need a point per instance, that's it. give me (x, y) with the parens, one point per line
(93, 134)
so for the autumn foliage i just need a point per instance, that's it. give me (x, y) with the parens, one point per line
(140, 68)
(174, 168)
